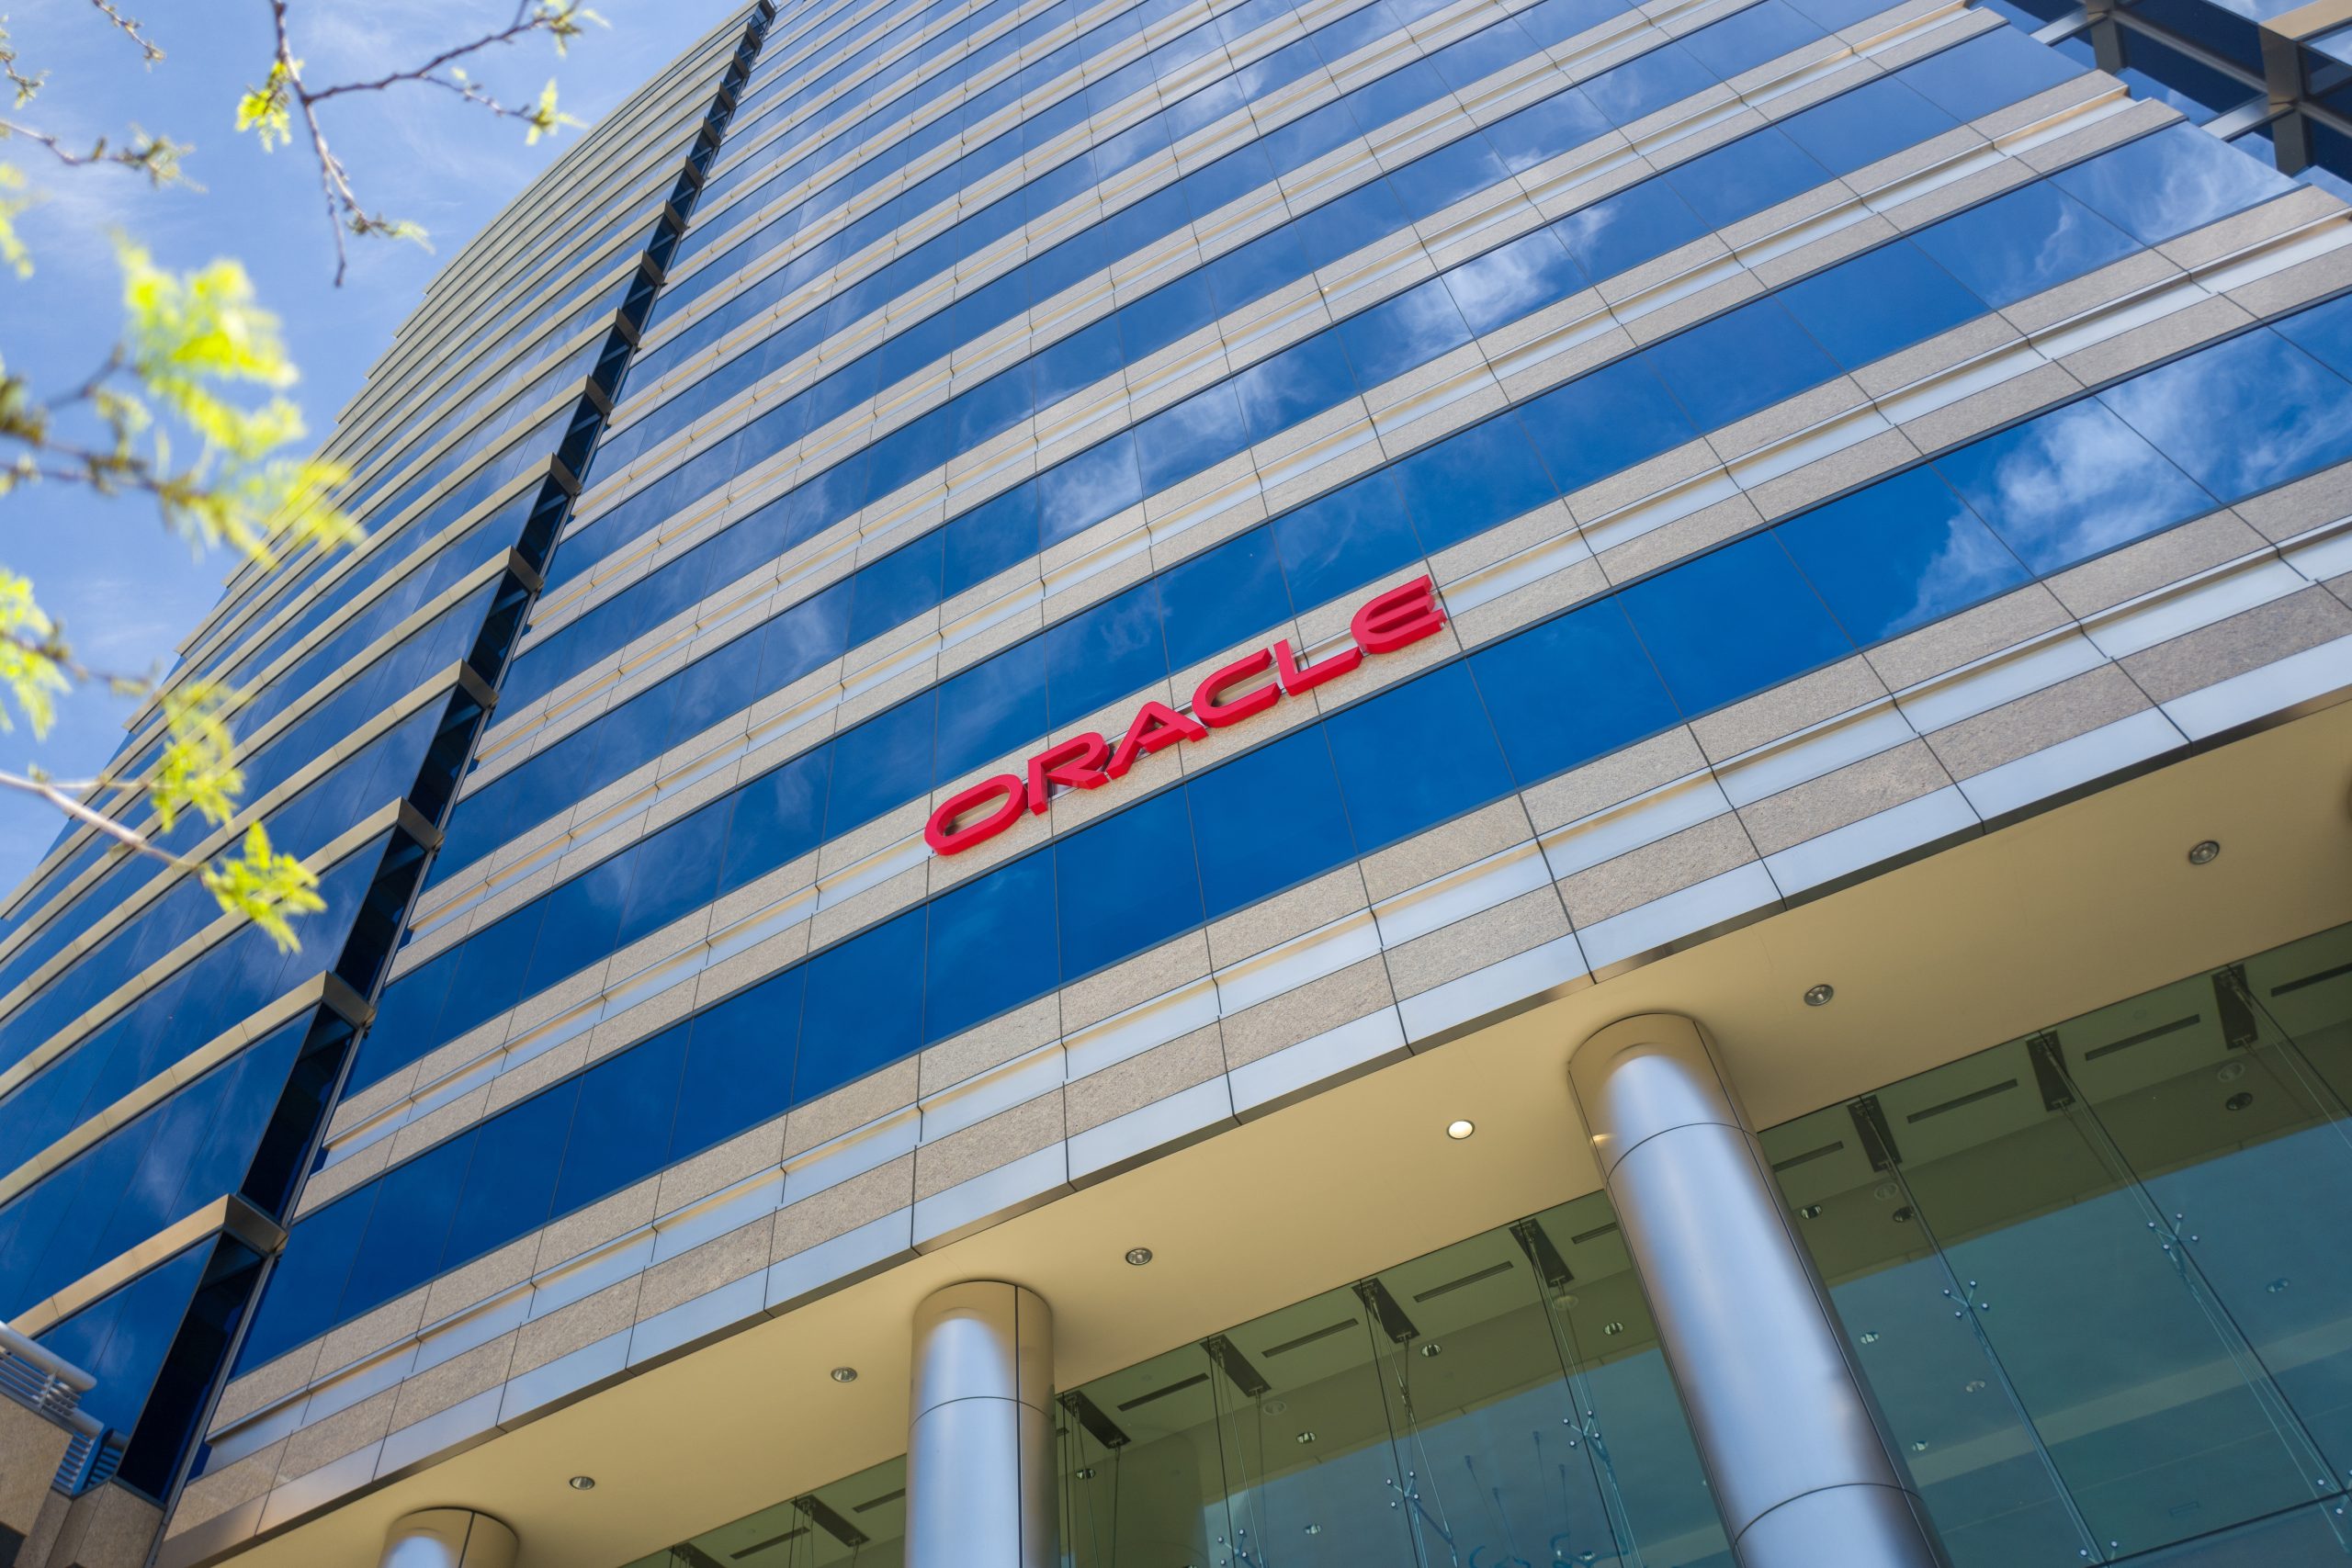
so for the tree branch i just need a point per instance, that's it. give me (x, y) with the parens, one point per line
(157, 157)
(132, 29)
(271, 107)
(525, 23)
(131, 837)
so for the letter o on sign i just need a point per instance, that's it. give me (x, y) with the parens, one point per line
(947, 833)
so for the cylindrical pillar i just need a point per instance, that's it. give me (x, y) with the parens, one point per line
(981, 1434)
(1794, 1449)
(448, 1538)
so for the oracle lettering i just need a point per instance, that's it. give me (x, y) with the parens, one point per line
(1248, 686)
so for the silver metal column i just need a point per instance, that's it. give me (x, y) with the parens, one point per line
(448, 1538)
(1794, 1449)
(980, 1435)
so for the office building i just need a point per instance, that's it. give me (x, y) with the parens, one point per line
(1225, 785)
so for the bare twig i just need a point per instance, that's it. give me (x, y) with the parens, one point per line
(133, 838)
(157, 157)
(286, 93)
(133, 29)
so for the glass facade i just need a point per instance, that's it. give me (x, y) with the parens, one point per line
(165, 1071)
(2095, 1320)
(1913, 547)
(895, 391)
(2092, 1273)
(1500, 1401)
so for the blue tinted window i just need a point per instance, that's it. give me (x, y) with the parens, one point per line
(1732, 623)
(1880, 301)
(1347, 223)
(995, 535)
(1543, 130)
(1414, 756)
(777, 818)
(2324, 333)
(991, 709)
(1252, 271)
(864, 1006)
(1646, 83)
(1472, 480)
(1402, 334)
(405, 1022)
(991, 946)
(1752, 173)
(1267, 820)
(1628, 229)
(709, 689)
(1103, 654)
(2167, 184)
(1345, 539)
(1513, 280)
(2018, 245)
(490, 968)
(883, 763)
(678, 873)
(1294, 384)
(1604, 423)
(1221, 596)
(510, 1184)
(807, 635)
(1435, 181)
(1749, 38)
(2241, 416)
(620, 1129)
(1100, 482)
(1988, 72)
(1901, 553)
(894, 589)
(1125, 883)
(581, 916)
(739, 1067)
(1199, 433)
(1743, 360)
(1569, 690)
(2069, 484)
(409, 1227)
(1078, 360)
(308, 1282)
(1856, 129)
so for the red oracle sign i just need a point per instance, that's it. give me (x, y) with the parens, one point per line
(1395, 619)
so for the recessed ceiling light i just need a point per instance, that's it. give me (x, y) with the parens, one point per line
(581, 1483)
(2205, 851)
(844, 1374)
(1819, 996)
(1460, 1129)
(1138, 1256)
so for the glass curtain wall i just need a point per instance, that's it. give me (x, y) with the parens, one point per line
(1500, 1402)
(2098, 1276)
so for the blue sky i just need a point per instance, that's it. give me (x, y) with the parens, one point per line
(126, 590)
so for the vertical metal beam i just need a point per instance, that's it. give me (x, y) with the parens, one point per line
(448, 1538)
(1794, 1449)
(981, 1434)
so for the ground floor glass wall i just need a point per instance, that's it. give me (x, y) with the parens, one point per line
(1500, 1402)
(2099, 1278)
